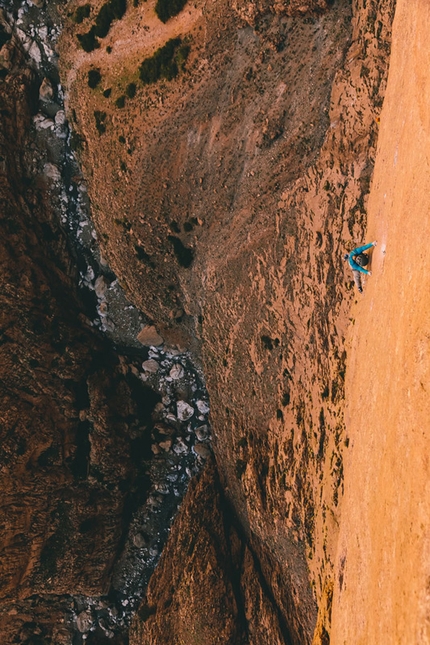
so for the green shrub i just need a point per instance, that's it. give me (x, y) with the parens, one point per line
(103, 21)
(88, 41)
(166, 9)
(82, 12)
(120, 102)
(165, 63)
(107, 92)
(94, 78)
(112, 10)
(131, 90)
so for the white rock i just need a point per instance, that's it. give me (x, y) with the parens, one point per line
(34, 53)
(60, 118)
(100, 285)
(26, 41)
(108, 324)
(184, 410)
(203, 407)
(42, 123)
(52, 171)
(84, 622)
(150, 366)
(176, 372)
(180, 447)
(202, 432)
(90, 275)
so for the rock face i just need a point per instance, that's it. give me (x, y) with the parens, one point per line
(384, 536)
(217, 592)
(225, 195)
(234, 191)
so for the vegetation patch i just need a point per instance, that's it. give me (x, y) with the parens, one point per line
(240, 468)
(94, 78)
(120, 102)
(81, 13)
(286, 398)
(88, 41)
(166, 62)
(131, 90)
(144, 257)
(110, 11)
(166, 9)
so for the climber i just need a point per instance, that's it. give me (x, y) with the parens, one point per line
(358, 259)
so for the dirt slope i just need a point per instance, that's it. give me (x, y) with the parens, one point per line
(382, 593)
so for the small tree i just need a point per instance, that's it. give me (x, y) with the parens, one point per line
(94, 78)
(166, 9)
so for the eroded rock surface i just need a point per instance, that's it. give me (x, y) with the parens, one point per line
(236, 188)
(216, 593)
(224, 199)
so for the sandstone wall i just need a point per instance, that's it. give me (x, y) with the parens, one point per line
(258, 159)
(382, 564)
(224, 200)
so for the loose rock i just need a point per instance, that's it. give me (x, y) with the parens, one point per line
(52, 172)
(150, 366)
(180, 447)
(202, 432)
(46, 91)
(166, 445)
(203, 407)
(140, 540)
(149, 336)
(176, 372)
(100, 286)
(84, 622)
(202, 449)
(184, 410)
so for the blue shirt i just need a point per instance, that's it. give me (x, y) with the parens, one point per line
(352, 263)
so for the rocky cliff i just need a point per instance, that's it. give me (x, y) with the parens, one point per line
(237, 186)
(228, 152)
